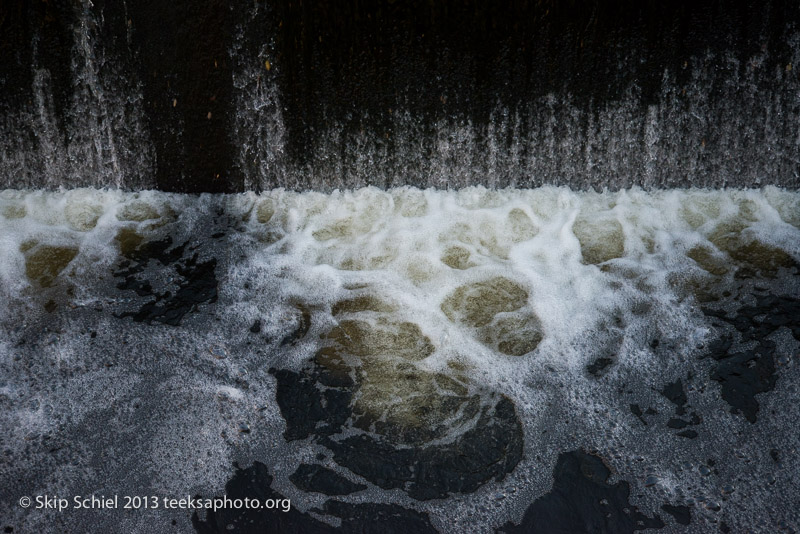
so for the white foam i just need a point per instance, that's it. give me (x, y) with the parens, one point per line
(286, 253)
(313, 246)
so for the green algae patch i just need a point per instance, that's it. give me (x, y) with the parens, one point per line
(476, 304)
(43, 263)
(129, 241)
(600, 241)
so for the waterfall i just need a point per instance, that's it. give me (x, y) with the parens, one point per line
(97, 138)
(102, 98)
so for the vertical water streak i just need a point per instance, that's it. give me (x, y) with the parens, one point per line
(719, 116)
(715, 121)
(97, 137)
(108, 145)
(259, 130)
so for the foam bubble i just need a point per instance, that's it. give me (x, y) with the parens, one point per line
(426, 299)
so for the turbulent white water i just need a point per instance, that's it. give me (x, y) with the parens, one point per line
(414, 247)
(514, 291)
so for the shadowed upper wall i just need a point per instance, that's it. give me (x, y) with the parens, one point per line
(358, 62)
(347, 69)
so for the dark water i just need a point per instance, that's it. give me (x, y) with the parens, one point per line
(474, 361)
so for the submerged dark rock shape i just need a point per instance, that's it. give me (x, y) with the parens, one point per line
(767, 315)
(637, 411)
(582, 500)
(364, 398)
(597, 367)
(320, 479)
(196, 282)
(490, 450)
(677, 423)
(746, 373)
(316, 403)
(682, 514)
(254, 483)
(374, 518)
(676, 395)
(309, 409)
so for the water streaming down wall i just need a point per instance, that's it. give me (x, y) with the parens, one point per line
(254, 95)
(80, 122)
(683, 141)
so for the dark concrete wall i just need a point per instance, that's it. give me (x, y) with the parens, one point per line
(355, 63)
(348, 60)
(178, 50)
(182, 48)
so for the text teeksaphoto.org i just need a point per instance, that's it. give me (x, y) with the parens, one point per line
(149, 502)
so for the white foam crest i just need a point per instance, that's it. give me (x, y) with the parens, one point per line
(581, 257)
(395, 243)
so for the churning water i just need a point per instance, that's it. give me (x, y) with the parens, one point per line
(151, 339)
